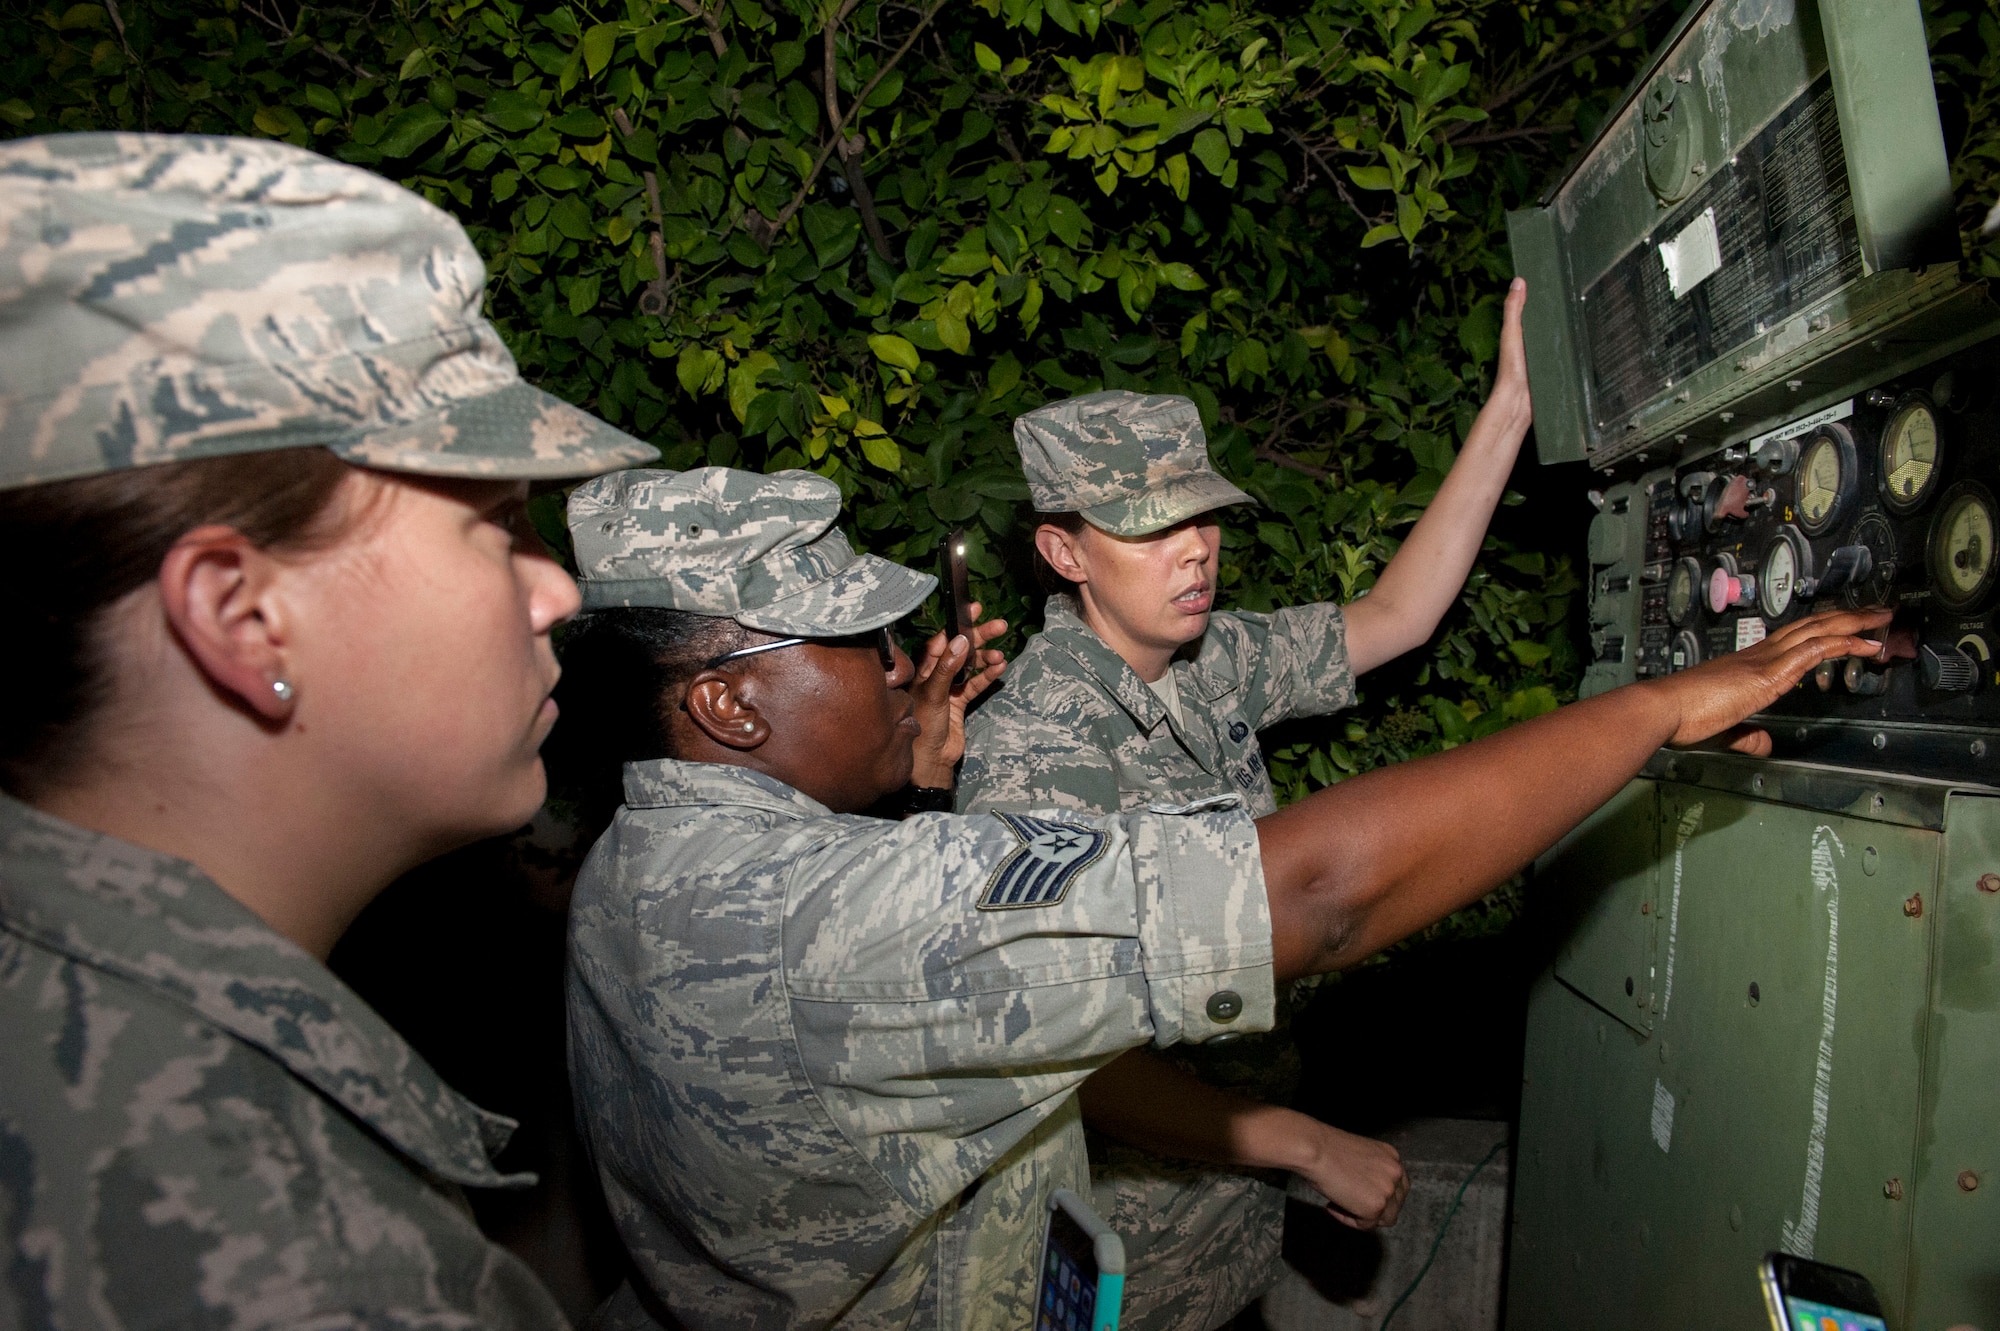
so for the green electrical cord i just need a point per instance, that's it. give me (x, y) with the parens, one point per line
(1438, 1242)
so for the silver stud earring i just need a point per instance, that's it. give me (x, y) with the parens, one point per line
(283, 688)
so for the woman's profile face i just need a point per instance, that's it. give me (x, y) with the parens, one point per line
(421, 649)
(1154, 590)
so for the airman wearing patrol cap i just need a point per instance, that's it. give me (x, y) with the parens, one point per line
(200, 1124)
(826, 1061)
(1138, 690)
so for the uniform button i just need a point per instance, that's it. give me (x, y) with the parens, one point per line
(1225, 1006)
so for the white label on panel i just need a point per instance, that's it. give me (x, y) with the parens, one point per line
(1693, 256)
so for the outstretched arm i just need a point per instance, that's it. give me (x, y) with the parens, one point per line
(1414, 591)
(1354, 867)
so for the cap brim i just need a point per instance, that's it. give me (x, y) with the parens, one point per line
(516, 432)
(867, 594)
(1161, 506)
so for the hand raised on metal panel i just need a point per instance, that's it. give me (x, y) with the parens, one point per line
(1718, 695)
(941, 703)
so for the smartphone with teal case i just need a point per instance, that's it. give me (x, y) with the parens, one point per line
(1083, 1269)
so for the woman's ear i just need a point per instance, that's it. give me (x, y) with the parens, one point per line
(1060, 550)
(722, 713)
(220, 596)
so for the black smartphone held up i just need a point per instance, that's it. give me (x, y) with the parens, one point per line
(1805, 1295)
(1083, 1269)
(957, 596)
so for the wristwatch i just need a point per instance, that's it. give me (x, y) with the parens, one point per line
(928, 799)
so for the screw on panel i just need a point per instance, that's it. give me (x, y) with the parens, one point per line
(1893, 1190)
(1989, 882)
(1967, 1180)
(1914, 906)
(1879, 740)
(1978, 748)
(1645, 908)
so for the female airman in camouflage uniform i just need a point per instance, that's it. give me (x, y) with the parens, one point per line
(1139, 690)
(279, 634)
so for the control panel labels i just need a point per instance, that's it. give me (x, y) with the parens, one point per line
(1663, 1115)
(1839, 411)
(1749, 630)
(1693, 256)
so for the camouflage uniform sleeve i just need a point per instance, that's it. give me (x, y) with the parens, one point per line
(953, 979)
(1017, 759)
(1293, 661)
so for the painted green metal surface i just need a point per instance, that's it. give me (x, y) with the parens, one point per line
(1663, 1153)
(1553, 366)
(1955, 1275)
(1889, 124)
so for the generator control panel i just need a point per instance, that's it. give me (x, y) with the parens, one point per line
(1885, 498)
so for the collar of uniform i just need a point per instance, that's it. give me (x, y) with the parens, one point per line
(664, 783)
(162, 923)
(1065, 628)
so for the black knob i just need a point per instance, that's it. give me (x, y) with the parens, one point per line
(1860, 679)
(1847, 564)
(1947, 669)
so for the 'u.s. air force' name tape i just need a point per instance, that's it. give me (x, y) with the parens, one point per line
(1039, 873)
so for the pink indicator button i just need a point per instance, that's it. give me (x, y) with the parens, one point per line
(1723, 590)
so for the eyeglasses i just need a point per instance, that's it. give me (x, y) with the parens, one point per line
(882, 640)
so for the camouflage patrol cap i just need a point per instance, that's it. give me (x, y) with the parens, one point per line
(761, 550)
(1130, 463)
(166, 297)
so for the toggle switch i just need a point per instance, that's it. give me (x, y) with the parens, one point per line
(1863, 681)
(1947, 669)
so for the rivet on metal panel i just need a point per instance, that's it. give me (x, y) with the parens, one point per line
(1978, 748)
(1913, 906)
(1989, 882)
(1893, 1190)
(1967, 1180)
(1757, 785)
(1799, 734)
(1645, 908)
(1673, 769)
(1871, 859)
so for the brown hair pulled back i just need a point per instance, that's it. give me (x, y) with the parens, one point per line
(1051, 582)
(73, 549)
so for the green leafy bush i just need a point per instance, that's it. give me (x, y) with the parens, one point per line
(862, 235)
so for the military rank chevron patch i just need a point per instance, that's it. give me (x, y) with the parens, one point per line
(1039, 873)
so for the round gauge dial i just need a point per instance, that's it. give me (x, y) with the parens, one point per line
(1684, 592)
(1686, 650)
(1962, 557)
(1826, 478)
(1909, 454)
(1786, 561)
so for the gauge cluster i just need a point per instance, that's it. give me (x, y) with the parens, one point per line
(1886, 499)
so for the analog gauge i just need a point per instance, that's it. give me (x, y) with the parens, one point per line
(1872, 533)
(1686, 650)
(1961, 552)
(1787, 562)
(1909, 454)
(1826, 478)
(1684, 592)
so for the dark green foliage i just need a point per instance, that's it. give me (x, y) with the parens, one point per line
(1290, 210)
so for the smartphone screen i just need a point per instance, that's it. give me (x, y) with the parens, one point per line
(952, 581)
(1068, 1299)
(1808, 1315)
(1812, 1296)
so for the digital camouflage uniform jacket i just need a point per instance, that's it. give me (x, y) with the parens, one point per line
(1075, 727)
(201, 1127)
(827, 1062)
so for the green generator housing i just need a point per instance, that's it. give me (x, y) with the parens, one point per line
(1772, 1021)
